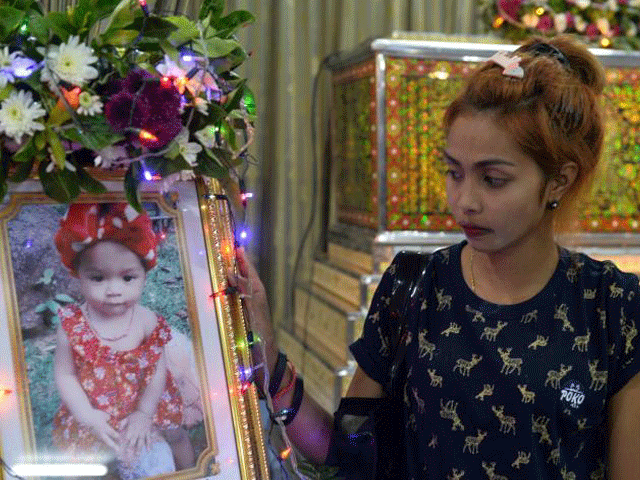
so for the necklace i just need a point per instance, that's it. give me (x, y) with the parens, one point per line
(473, 278)
(116, 338)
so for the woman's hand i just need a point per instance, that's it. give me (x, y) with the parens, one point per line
(99, 424)
(137, 433)
(251, 288)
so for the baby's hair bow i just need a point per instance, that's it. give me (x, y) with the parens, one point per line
(510, 64)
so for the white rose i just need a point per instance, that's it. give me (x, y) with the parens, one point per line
(634, 3)
(603, 26)
(582, 4)
(613, 5)
(560, 22)
(580, 24)
(632, 31)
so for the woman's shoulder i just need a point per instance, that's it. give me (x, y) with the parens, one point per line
(603, 272)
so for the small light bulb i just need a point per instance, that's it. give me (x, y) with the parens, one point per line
(147, 175)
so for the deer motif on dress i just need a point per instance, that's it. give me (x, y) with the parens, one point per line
(419, 401)
(554, 376)
(472, 443)
(452, 329)
(444, 301)
(589, 294)
(540, 341)
(554, 456)
(436, 380)
(562, 314)
(616, 291)
(582, 342)
(509, 365)
(424, 346)
(539, 425)
(598, 377)
(490, 470)
(456, 474)
(507, 422)
(530, 317)
(492, 333)
(527, 395)
(487, 391)
(384, 344)
(629, 331)
(523, 459)
(567, 475)
(465, 366)
(448, 412)
(477, 314)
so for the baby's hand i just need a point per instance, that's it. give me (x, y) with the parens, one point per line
(99, 423)
(137, 433)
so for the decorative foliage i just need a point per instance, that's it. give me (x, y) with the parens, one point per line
(107, 85)
(604, 23)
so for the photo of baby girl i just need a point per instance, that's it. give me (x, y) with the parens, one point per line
(123, 383)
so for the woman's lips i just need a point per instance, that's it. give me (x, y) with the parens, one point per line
(475, 231)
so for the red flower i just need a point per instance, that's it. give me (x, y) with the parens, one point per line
(121, 112)
(570, 21)
(592, 31)
(616, 30)
(545, 23)
(511, 8)
(164, 131)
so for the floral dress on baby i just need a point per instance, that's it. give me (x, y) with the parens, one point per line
(113, 381)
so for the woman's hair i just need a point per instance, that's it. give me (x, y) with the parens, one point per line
(553, 112)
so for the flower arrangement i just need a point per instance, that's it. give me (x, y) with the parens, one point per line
(109, 85)
(603, 23)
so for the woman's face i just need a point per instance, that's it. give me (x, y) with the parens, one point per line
(111, 278)
(493, 188)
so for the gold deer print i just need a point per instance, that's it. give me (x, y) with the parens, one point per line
(444, 301)
(507, 422)
(540, 341)
(631, 295)
(384, 344)
(598, 377)
(629, 331)
(572, 273)
(472, 443)
(406, 395)
(582, 423)
(509, 365)
(562, 314)
(529, 317)
(491, 333)
(608, 266)
(539, 425)
(490, 470)
(527, 395)
(453, 328)
(424, 305)
(599, 473)
(419, 401)
(456, 474)
(448, 412)
(424, 346)
(582, 342)
(567, 475)
(385, 300)
(554, 376)
(589, 294)
(580, 448)
(411, 423)
(487, 391)
(445, 256)
(477, 314)
(465, 366)
(436, 380)
(375, 317)
(392, 269)
(554, 456)
(523, 459)
(433, 443)
(616, 292)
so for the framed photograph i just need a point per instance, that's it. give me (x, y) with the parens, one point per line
(121, 347)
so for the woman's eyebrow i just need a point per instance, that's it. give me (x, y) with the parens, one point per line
(483, 163)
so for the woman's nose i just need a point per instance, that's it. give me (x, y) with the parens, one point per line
(468, 197)
(114, 288)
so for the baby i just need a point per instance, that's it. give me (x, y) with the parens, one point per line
(110, 366)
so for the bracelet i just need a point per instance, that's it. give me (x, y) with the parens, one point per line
(278, 373)
(290, 385)
(292, 411)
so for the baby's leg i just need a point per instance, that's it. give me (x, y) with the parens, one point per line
(181, 447)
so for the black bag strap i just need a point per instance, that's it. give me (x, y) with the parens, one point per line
(410, 268)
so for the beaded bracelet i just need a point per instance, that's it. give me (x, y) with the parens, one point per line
(278, 373)
(290, 385)
(292, 411)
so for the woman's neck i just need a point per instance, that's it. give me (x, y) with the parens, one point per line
(514, 274)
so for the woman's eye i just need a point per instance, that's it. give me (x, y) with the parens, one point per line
(453, 174)
(495, 182)
(96, 278)
(128, 278)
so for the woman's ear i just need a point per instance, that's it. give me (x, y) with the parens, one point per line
(563, 181)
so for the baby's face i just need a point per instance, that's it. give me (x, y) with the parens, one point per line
(111, 278)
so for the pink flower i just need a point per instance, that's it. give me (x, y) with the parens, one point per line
(592, 31)
(511, 8)
(545, 23)
(121, 112)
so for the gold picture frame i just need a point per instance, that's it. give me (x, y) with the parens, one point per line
(189, 290)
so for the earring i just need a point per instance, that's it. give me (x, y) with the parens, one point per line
(552, 205)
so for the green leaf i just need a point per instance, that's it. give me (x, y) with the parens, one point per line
(96, 134)
(61, 185)
(208, 165)
(154, 27)
(125, 12)
(41, 307)
(38, 27)
(119, 38)
(132, 180)
(213, 7)
(90, 184)
(236, 98)
(59, 23)
(186, 30)
(22, 171)
(215, 47)
(52, 305)
(232, 22)
(25, 153)
(47, 276)
(64, 298)
(10, 19)
(57, 150)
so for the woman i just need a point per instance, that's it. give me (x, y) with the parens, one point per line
(523, 358)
